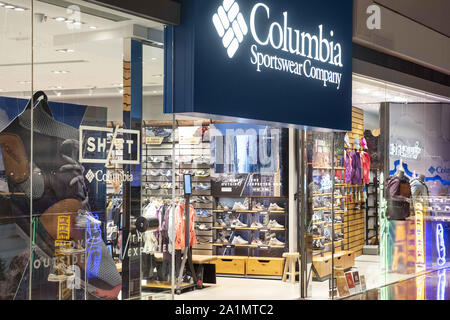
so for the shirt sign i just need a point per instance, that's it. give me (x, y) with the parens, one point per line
(280, 61)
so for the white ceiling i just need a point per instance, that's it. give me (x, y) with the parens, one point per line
(96, 61)
(369, 93)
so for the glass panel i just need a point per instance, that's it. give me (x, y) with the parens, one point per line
(16, 232)
(158, 184)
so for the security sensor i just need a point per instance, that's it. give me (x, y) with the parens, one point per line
(40, 18)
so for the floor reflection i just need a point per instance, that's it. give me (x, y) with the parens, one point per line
(431, 286)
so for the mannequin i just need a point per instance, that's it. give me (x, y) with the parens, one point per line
(418, 186)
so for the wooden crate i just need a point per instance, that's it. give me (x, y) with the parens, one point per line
(265, 266)
(230, 264)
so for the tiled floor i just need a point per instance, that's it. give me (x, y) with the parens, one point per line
(232, 288)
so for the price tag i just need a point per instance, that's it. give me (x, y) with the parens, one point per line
(229, 229)
(263, 212)
(154, 140)
(228, 246)
(264, 230)
(229, 212)
(264, 247)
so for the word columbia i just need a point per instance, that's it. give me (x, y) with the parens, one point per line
(293, 41)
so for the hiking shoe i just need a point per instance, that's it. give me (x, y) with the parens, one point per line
(239, 240)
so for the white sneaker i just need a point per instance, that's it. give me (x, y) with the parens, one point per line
(275, 242)
(274, 224)
(257, 225)
(239, 206)
(238, 223)
(239, 240)
(275, 207)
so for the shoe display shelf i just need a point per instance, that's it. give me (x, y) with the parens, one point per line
(371, 207)
(250, 237)
(191, 157)
(321, 206)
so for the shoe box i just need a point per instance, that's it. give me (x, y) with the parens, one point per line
(323, 264)
(230, 265)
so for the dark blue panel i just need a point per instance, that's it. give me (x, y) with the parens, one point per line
(207, 81)
(68, 113)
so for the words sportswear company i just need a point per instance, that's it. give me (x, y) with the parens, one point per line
(313, 47)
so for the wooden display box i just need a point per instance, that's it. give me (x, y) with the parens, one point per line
(230, 265)
(323, 266)
(349, 259)
(265, 266)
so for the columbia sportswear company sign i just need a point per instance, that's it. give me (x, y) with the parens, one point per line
(304, 48)
(284, 62)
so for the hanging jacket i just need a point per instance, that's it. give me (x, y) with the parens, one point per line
(365, 160)
(180, 227)
(418, 188)
(398, 191)
(356, 168)
(348, 167)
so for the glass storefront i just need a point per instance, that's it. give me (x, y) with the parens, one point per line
(106, 196)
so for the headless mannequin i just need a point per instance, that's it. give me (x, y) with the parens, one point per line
(422, 178)
(400, 174)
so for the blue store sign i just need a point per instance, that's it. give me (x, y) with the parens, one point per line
(279, 61)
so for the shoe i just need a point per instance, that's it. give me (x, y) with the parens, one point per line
(274, 224)
(239, 240)
(202, 240)
(257, 241)
(337, 219)
(154, 173)
(203, 227)
(256, 224)
(239, 224)
(258, 207)
(144, 172)
(220, 206)
(166, 173)
(202, 213)
(202, 173)
(201, 160)
(316, 231)
(327, 235)
(317, 245)
(202, 187)
(275, 242)
(155, 159)
(205, 199)
(317, 217)
(239, 206)
(84, 217)
(184, 160)
(152, 186)
(220, 223)
(275, 207)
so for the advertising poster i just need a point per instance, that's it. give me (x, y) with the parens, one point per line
(249, 160)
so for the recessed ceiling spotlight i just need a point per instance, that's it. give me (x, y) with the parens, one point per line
(19, 9)
(121, 91)
(60, 19)
(1, 4)
(60, 71)
(8, 6)
(24, 82)
(65, 50)
(77, 23)
(68, 21)
(92, 27)
(153, 59)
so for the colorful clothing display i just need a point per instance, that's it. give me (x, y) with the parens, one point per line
(365, 160)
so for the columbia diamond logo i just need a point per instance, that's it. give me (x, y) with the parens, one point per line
(230, 26)
(90, 176)
(432, 170)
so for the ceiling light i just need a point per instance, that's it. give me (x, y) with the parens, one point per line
(19, 9)
(60, 19)
(8, 6)
(1, 4)
(77, 23)
(58, 93)
(157, 75)
(65, 50)
(25, 82)
(121, 91)
(153, 59)
(60, 71)
(69, 21)
(93, 27)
